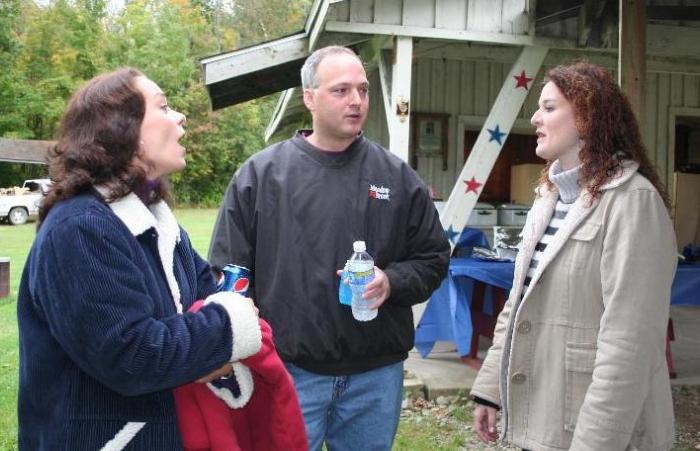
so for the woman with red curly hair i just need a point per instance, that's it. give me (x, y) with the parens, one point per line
(578, 359)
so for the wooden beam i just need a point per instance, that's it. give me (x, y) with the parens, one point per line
(275, 53)
(384, 67)
(673, 41)
(558, 16)
(447, 34)
(597, 23)
(311, 18)
(24, 150)
(399, 125)
(632, 55)
(279, 112)
(461, 51)
(679, 13)
(490, 141)
(317, 27)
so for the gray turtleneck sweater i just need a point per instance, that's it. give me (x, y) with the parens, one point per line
(567, 183)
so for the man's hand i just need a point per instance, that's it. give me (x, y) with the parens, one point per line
(485, 423)
(379, 289)
(224, 371)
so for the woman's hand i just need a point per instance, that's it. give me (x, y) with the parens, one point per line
(485, 423)
(224, 371)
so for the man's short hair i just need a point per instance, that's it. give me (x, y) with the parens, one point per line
(309, 78)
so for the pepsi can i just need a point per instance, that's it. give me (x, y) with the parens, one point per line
(234, 278)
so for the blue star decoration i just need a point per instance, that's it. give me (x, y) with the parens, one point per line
(496, 134)
(452, 235)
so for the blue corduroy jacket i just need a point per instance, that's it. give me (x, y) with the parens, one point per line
(102, 340)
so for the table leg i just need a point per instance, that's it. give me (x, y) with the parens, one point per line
(670, 336)
(476, 307)
(482, 324)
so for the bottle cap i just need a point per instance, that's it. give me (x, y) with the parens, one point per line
(359, 246)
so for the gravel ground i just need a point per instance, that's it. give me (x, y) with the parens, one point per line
(446, 423)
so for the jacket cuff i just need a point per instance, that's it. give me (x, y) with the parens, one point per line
(244, 380)
(486, 403)
(245, 329)
(395, 282)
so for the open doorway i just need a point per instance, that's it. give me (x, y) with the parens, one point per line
(685, 190)
(518, 149)
(687, 151)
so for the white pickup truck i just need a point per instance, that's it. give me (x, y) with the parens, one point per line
(21, 203)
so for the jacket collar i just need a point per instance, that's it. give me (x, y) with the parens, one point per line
(541, 214)
(139, 218)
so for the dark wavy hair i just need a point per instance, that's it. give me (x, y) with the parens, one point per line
(606, 124)
(98, 141)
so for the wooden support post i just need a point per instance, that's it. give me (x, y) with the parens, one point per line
(490, 141)
(384, 66)
(399, 125)
(632, 55)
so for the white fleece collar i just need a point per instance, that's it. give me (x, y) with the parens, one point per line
(628, 169)
(139, 218)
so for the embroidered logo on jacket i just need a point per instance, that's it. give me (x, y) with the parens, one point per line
(379, 192)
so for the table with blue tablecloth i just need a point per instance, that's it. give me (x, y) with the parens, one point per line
(686, 285)
(448, 315)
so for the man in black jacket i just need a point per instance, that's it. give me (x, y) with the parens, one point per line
(291, 214)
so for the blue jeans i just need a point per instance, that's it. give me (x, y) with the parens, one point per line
(360, 411)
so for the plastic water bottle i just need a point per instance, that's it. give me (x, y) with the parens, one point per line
(360, 271)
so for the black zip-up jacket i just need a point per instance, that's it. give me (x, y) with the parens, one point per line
(291, 214)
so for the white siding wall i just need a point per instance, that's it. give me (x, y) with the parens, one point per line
(496, 16)
(469, 88)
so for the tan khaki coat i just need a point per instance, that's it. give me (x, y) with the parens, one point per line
(579, 362)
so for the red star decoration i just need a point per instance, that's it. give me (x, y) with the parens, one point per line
(472, 185)
(521, 80)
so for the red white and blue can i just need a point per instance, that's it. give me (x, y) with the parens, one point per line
(234, 278)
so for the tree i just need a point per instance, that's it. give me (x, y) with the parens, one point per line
(60, 50)
(257, 21)
(13, 86)
(48, 51)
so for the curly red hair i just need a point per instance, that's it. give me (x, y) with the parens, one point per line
(606, 125)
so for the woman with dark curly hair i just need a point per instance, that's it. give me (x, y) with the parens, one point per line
(578, 357)
(102, 310)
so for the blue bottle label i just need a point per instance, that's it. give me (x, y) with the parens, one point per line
(344, 291)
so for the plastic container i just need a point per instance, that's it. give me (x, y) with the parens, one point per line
(483, 214)
(360, 272)
(512, 214)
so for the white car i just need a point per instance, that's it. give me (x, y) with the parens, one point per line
(17, 205)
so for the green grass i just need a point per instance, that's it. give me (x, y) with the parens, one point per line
(199, 224)
(431, 433)
(14, 243)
